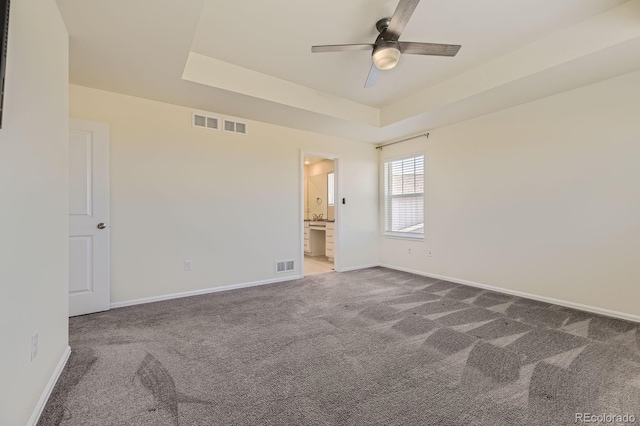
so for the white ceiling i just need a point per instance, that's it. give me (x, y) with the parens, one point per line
(255, 62)
(312, 160)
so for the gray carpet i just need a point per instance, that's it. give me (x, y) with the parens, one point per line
(368, 347)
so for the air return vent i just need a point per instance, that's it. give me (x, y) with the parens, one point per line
(235, 127)
(285, 266)
(205, 121)
(212, 123)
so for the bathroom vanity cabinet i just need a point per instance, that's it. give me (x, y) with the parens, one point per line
(318, 238)
(329, 239)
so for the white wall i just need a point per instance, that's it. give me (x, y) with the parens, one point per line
(229, 202)
(34, 204)
(543, 198)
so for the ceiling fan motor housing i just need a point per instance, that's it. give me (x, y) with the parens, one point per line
(383, 24)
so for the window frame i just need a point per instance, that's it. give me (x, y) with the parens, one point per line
(331, 189)
(387, 189)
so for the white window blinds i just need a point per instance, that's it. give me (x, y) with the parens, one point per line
(404, 197)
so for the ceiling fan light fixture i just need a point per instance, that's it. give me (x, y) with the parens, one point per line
(386, 56)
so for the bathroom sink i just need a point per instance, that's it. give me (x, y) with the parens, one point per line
(318, 223)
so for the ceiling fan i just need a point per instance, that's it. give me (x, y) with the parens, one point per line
(387, 49)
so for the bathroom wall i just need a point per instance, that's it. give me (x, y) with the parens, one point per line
(317, 188)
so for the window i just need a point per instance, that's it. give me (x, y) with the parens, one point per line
(331, 189)
(404, 197)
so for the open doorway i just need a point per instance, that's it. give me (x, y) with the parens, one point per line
(319, 214)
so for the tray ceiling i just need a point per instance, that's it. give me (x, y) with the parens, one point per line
(253, 60)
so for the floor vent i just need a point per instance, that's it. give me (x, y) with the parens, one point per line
(205, 122)
(235, 127)
(285, 266)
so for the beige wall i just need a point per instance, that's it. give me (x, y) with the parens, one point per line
(543, 198)
(231, 203)
(33, 212)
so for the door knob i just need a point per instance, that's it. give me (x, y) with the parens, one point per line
(101, 225)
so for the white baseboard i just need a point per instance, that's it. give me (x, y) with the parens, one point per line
(565, 303)
(152, 299)
(203, 291)
(37, 412)
(568, 304)
(357, 268)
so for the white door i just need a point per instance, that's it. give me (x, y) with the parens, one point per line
(88, 217)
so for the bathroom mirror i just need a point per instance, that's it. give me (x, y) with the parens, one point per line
(317, 175)
(317, 195)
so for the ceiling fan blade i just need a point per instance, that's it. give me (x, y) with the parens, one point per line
(341, 48)
(374, 72)
(400, 18)
(432, 49)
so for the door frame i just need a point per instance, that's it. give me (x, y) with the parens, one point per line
(337, 208)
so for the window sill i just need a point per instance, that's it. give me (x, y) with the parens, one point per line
(404, 237)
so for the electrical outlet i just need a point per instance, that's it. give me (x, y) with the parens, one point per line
(34, 346)
(188, 265)
(429, 253)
